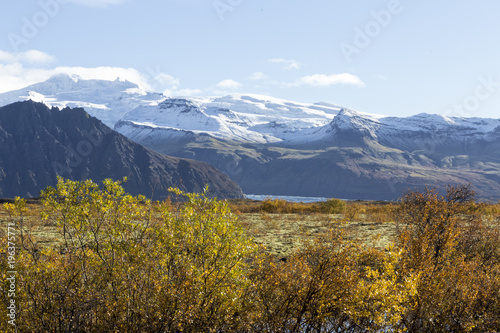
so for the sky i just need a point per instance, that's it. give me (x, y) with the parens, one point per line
(390, 57)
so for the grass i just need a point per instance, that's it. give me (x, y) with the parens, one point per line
(281, 226)
(43, 231)
(282, 233)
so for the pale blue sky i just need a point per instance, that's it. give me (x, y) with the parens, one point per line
(418, 56)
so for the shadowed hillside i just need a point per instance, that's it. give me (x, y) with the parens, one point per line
(37, 144)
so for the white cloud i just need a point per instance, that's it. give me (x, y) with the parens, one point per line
(183, 92)
(258, 76)
(31, 57)
(323, 80)
(288, 64)
(18, 70)
(98, 3)
(35, 57)
(6, 57)
(106, 73)
(229, 84)
(167, 80)
(169, 84)
(161, 81)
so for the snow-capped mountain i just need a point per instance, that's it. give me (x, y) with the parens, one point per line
(108, 101)
(273, 146)
(263, 120)
(249, 118)
(244, 118)
(408, 133)
(241, 118)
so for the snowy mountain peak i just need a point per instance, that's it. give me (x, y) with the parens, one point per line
(433, 118)
(349, 120)
(346, 115)
(179, 104)
(106, 100)
(62, 77)
(55, 84)
(64, 83)
(241, 117)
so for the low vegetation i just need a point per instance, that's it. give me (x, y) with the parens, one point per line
(94, 259)
(376, 211)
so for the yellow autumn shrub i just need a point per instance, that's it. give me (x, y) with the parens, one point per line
(125, 264)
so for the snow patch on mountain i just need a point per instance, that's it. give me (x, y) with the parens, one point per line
(246, 118)
(243, 118)
(108, 101)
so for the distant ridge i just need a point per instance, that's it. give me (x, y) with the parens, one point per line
(278, 147)
(38, 143)
(352, 155)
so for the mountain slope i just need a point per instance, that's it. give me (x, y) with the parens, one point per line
(273, 146)
(38, 143)
(355, 156)
(108, 101)
(244, 118)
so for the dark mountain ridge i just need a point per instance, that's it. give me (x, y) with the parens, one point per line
(37, 144)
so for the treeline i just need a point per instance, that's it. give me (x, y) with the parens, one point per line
(127, 265)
